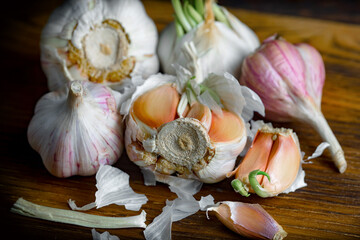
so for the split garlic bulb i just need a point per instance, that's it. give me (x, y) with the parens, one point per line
(189, 125)
(222, 44)
(106, 41)
(78, 128)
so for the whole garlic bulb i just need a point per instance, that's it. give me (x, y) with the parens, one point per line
(222, 45)
(104, 41)
(78, 128)
(289, 78)
(189, 124)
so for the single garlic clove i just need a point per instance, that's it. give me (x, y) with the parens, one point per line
(226, 128)
(201, 113)
(157, 106)
(276, 152)
(249, 220)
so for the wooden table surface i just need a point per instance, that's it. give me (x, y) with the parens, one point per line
(328, 208)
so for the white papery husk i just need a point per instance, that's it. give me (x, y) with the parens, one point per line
(103, 236)
(113, 188)
(75, 132)
(221, 48)
(226, 87)
(72, 22)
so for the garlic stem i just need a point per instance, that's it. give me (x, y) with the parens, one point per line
(219, 15)
(26, 208)
(194, 14)
(179, 29)
(318, 121)
(75, 93)
(199, 5)
(258, 189)
(187, 14)
(239, 187)
(180, 15)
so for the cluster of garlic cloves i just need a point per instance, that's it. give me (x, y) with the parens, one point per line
(189, 124)
(98, 41)
(216, 33)
(77, 128)
(271, 165)
(289, 79)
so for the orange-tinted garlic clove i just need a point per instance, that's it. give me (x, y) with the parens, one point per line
(158, 106)
(276, 152)
(249, 220)
(226, 128)
(201, 113)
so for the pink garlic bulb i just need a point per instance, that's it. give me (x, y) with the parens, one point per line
(289, 80)
(77, 129)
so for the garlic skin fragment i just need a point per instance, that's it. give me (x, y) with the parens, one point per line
(248, 220)
(107, 42)
(275, 151)
(213, 40)
(289, 79)
(77, 129)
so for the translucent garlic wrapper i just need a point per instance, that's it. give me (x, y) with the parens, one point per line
(221, 40)
(106, 42)
(188, 125)
(77, 128)
(289, 78)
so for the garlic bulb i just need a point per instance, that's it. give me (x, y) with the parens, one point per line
(222, 44)
(289, 79)
(275, 153)
(189, 124)
(106, 41)
(77, 128)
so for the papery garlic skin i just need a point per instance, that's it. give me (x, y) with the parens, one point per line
(289, 79)
(105, 41)
(221, 48)
(249, 220)
(78, 128)
(275, 151)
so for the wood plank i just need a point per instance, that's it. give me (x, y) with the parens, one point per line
(328, 208)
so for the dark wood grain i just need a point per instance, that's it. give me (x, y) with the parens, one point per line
(328, 208)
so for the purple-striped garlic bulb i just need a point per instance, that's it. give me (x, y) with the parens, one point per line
(77, 129)
(289, 79)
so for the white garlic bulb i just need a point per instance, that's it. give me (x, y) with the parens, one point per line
(222, 45)
(106, 41)
(78, 128)
(189, 125)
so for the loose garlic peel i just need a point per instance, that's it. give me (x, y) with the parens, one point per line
(99, 41)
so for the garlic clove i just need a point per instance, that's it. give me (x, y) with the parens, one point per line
(157, 106)
(226, 128)
(275, 152)
(256, 158)
(249, 220)
(282, 172)
(201, 113)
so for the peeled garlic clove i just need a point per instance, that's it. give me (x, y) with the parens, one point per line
(289, 79)
(276, 152)
(228, 39)
(248, 220)
(157, 106)
(226, 128)
(77, 129)
(101, 41)
(201, 113)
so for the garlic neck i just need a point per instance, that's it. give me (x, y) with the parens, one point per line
(76, 92)
(209, 14)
